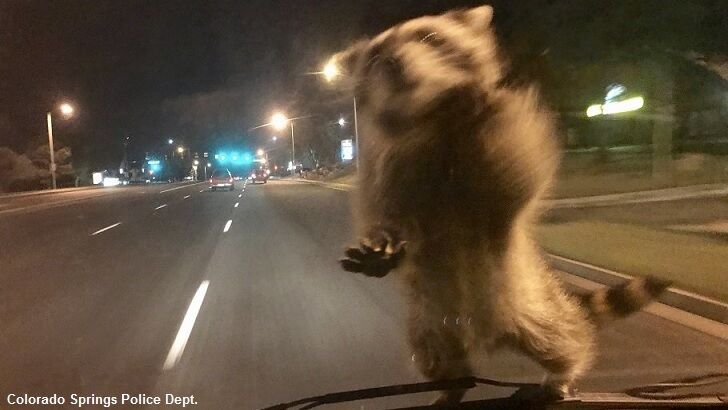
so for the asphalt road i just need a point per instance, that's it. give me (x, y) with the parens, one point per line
(242, 306)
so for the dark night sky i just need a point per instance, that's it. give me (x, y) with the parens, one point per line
(196, 71)
(204, 71)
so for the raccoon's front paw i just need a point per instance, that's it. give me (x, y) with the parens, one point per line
(376, 255)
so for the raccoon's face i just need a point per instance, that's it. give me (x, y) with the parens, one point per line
(433, 68)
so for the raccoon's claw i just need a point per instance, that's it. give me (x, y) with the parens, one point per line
(374, 257)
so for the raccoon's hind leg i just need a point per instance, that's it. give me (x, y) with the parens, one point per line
(438, 352)
(559, 338)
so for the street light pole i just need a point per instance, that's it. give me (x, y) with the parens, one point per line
(356, 135)
(50, 148)
(293, 152)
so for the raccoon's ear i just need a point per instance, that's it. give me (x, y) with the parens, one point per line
(477, 17)
(348, 59)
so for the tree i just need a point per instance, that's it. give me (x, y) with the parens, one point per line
(17, 171)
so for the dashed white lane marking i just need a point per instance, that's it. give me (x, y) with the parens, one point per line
(185, 329)
(227, 225)
(236, 204)
(202, 190)
(160, 207)
(240, 196)
(186, 196)
(106, 229)
(180, 187)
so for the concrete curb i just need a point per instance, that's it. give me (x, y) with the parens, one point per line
(638, 197)
(332, 185)
(678, 298)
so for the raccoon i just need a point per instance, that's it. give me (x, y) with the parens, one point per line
(454, 164)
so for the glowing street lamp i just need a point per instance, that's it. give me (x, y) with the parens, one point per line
(279, 121)
(170, 141)
(341, 122)
(275, 138)
(330, 71)
(67, 111)
(180, 149)
(260, 152)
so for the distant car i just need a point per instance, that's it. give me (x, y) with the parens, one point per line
(222, 179)
(259, 175)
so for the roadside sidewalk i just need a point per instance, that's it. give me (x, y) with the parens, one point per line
(46, 192)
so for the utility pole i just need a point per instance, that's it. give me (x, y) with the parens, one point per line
(52, 166)
(293, 152)
(356, 136)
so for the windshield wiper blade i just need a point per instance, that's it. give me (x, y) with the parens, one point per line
(664, 390)
(396, 390)
(587, 401)
(535, 397)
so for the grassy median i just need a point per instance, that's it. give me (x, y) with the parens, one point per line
(693, 262)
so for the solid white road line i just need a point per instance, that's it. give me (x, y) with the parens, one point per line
(236, 204)
(185, 329)
(180, 187)
(227, 225)
(670, 313)
(160, 207)
(186, 196)
(106, 229)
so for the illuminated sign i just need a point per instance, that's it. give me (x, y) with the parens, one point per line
(97, 177)
(615, 107)
(347, 150)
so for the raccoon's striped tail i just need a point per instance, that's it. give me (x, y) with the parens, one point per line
(605, 305)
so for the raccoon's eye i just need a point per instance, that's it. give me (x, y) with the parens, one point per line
(373, 55)
(373, 60)
(432, 38)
